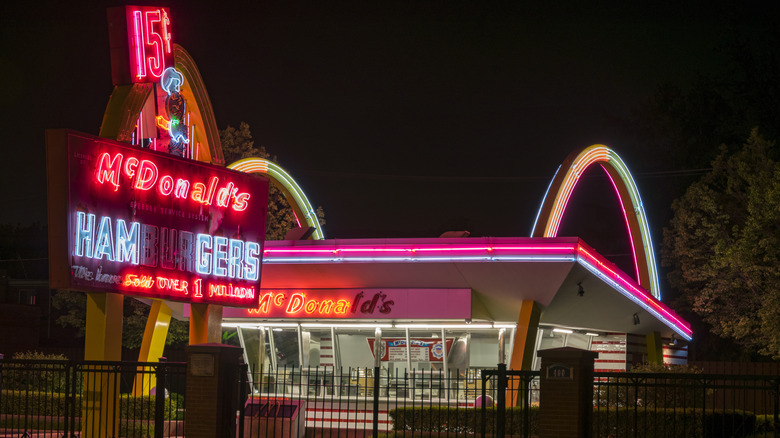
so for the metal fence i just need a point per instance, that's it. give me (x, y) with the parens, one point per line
(65, 398)
(354, 402)
(689, 405)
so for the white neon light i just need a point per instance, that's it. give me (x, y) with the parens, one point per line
(347, 326)
(445, 326)
(546, 192)
(615, 285)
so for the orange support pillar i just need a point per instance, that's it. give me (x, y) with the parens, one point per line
(205, 324)
(525, 336)
(525, 343)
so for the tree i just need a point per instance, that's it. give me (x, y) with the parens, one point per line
(238, 144)
(73, 305)
(723, 246)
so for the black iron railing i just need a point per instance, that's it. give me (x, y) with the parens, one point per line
(340, 402)
(64, 398)
(689, 405)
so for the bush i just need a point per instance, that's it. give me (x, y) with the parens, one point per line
(45, 404)
(653, 386)
(143, 407)
(461, 420)
(672, 423)
(34, 403)
(765, 423)
(36, 376)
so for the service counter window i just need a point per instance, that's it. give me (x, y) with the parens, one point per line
(257, 348)
(287, 347)
(549, 337)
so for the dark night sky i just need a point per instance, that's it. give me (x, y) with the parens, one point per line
(400, 118)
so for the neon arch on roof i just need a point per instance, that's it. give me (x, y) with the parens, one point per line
(301, 206)
(553, 207)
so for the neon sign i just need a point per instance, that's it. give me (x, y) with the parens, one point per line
(175, 106)
(143, 244)
(141, 46)
(359, 304)
(145, 175)
(152, 224)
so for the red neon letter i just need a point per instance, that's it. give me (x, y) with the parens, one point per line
(296, 303)
(108, 169)
(225, 193)
(166, 185)
(156, 62)
(147, 175)
(311, 306)
(130, 165)
(326, 306)
(240, 202)
(182, 188)
(138, 45)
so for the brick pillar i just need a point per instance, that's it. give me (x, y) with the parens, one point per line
(566, 393)
(212, 385)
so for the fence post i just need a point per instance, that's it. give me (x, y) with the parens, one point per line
(73, 391)
(377, 363)
(242, 387)
(483, 402)
(67, 397)
(211, 385)
(159, 400)
(501, 401)
(566, 393)
(776, 383)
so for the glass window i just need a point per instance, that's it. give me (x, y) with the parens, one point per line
(286, 345)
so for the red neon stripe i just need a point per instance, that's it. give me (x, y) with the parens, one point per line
(628, 226)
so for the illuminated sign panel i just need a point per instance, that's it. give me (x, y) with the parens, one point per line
(421, 349)
(359, 304)
(150, 224)
(140, 38)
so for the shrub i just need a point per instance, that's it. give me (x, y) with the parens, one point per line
(765, 423)
(672, 423)
(34, 403)
(653, 386)
(143, 407)
(36, 376)
(461, 420)
(45, 404)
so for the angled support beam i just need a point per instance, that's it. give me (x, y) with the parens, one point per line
(153, 345)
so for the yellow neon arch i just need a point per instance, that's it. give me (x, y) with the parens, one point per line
(301, 206)
(562, 186)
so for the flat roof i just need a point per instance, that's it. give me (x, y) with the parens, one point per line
(501, 272)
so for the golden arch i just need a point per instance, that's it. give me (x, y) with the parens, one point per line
(562, 186)
(301, 206)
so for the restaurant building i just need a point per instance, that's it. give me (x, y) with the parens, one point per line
(153, 212)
